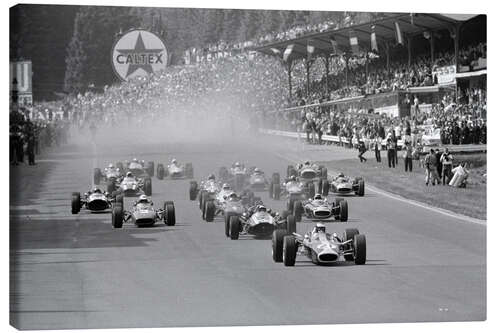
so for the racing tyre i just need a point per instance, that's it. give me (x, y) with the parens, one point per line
(227, 218)
(209, 211)
(291, 224)
(297, 210)
(325, 188)
(349, 234)
(311, 190)
(200, 199)
(289, 251)
(160, 171)
(276, 191)
(343, 211)
(359, 249)
(193, 190)
(75, 202)
(117, 217)
(234, 227)
(204, 198)
(150, 169)
(189, 171)
(277, 241)
(148, 187)
(361, 188)
(169, 217)
(323, 172)
(97, 176)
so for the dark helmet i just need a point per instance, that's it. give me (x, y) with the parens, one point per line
(211, 177)
(341, 175)
(320, 227)
(318, 196)
(226, 186)
(129, 174)
(261, 208)
(307, 163)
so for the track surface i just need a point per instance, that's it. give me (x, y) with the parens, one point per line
(77, 272)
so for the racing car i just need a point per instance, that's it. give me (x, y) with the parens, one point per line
(307, 171)
(111, 173)
(95, 201)
(175, 170)
(319, 208)
(207, 189)
(132, 186)
(237, 175)
(343, 185)
(259, 222)
(257, 180)
(227, 202)
(318, 245)
(293, 189)
(143, 213)
(139, 168)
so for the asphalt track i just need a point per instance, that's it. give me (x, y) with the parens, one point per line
(75, 271)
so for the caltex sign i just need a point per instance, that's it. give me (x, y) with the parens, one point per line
(138, 53)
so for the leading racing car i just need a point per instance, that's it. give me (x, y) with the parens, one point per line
(343, 185)
(143, 213)
(175, 170)
(318, 245)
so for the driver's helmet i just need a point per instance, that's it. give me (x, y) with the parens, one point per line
(111, 166)
(129, 174)
(226, 186)
(318, 196)
(134, 160)
(211, 177)
(143, 199)
(237, 164)
(293, 179)
(307, 163)
(340, 175)
(261, 208)
(257, 170)
(96, 190)
(320, 227)
(233, 196)
(174, 161)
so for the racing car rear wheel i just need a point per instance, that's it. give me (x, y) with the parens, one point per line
(361, 188)
(75, 202)
(200, 199)
(209, 211)
(323, 172)
(298, 210)
(359, 249)
(117, 217)
(289, 251)
(311, 190)
(169, 217)
(277, 241)
(349, 234)
(276, 191)
(325, 187)
(227, 218)
(97, 176)
(193, 190)
(148, 186)
(343, 211)
(291, 224)
(150, 169)
(234, 227)
(160, 171)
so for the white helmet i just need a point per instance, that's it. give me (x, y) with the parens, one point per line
(129, 174)
(134, 160)
(174, 161)
(237, 164)
(226, 186)
(261, 208)
(143, 199)
(111, 165)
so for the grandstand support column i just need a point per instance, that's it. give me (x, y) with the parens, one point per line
(409, 50)
(387, 55)
(327, 72)
(431, 40)
(308, 65)
(457, 43)
(289, 69)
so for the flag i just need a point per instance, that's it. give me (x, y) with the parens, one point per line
(399, 35)
(374, 40)
(310, 50)
(353, 40)
(335, 47)
(287, 52)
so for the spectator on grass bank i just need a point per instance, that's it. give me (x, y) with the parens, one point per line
(447, 162)
(407, 157)
(439, 165)
(431, 168)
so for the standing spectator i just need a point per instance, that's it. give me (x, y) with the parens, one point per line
(378, 147)
(362, 150)
(439, 165)
(391, 151)
(407, 156)
(447, 162)
(430, 168)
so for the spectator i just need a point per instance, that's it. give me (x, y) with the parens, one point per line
(407, 157)
(391, 151)
(431, 168)
(447, 162)
(362, 150)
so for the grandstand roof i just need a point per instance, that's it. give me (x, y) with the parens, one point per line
(410, 24)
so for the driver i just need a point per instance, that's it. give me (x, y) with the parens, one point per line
(134, 160)
(307, 163)
(211, 177)
(257, 171)
(143, 199)
(129, 175)
(174, 162)
(233, 197)
(226, 187)
(340, 175)
(96, 190)
(110, 166)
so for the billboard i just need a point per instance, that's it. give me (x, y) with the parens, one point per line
(20, 80)
(138, 53)
(445, 75)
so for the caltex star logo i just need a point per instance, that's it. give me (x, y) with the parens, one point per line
(130, 54)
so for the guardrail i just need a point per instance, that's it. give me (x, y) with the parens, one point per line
(471, 148)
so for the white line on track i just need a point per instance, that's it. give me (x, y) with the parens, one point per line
(408, 201)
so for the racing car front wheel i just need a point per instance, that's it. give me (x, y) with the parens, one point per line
(148, 186)
(193, 190)
(289, 251)
(117, 217)
(209, 211)
(298, 210)
(361, 188)
(169, 217)
(343, 211)
(75, 202)
(349, 234)
(291, 225)
(234, 227)
(359, 249)
(160, 171)
(277, 244)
